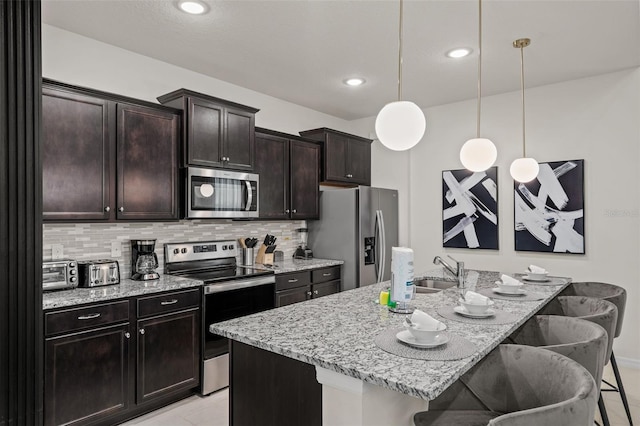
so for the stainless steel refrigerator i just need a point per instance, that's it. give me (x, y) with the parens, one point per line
(359, 226)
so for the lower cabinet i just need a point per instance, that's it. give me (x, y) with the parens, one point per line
(105, 363)
(297, 287)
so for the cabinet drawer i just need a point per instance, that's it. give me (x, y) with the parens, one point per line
(293, 280)
(168, 302)
(325, 274)
(85, 317)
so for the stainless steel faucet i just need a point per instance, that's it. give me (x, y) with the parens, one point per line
(458, 271)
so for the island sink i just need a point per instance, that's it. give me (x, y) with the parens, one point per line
(433, 286)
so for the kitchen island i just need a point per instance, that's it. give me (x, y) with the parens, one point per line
(361, 383)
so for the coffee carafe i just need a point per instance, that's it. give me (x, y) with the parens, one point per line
(144, 260)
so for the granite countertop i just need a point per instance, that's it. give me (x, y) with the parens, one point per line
(130, 288)
(337, 332)
(295, 265)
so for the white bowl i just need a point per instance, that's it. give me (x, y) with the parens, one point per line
(425, 336)
(475, 309)
(509, 288)
(537, 276)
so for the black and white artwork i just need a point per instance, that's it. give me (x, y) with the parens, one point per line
(470, 209)
(549, 210)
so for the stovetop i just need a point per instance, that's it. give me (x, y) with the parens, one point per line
(225, 274)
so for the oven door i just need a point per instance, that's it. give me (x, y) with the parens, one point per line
(213, 193)
(226, 301)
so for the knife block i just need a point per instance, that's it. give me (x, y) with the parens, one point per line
(264, 257)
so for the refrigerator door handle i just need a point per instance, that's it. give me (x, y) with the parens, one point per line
(383, 247)
(377, 239)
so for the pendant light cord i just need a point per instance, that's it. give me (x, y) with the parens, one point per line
(479, 66)
(524, 149)
(400, 54)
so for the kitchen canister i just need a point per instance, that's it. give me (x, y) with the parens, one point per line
(402, 287)
(247, 256)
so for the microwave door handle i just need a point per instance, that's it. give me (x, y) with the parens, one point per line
(249, 195)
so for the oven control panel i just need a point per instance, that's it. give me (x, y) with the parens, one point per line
(201, 250)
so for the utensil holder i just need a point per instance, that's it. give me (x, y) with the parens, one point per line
(247, 256)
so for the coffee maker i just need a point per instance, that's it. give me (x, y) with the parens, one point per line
(303, 252)
(144, 260)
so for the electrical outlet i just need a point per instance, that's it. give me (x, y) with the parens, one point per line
(116, 249)
(56, 251)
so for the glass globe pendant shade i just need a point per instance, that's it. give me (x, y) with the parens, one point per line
(524, 169)
(478, 154)
(400, 125)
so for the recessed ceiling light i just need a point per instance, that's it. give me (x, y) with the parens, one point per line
(193, 7)
(459, 52)
(355, 81)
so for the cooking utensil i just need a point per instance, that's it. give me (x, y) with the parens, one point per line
(242, 242)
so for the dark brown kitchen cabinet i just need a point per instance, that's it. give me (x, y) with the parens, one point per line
(346, 158)
(106, 157)
(289, 176)
(86, 363)
(299, 286)
(216, 132)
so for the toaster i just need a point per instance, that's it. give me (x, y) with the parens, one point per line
(94, 273)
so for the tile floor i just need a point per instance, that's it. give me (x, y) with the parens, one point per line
(213, 410)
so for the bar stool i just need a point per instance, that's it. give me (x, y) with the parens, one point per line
(591, 309)
(618, 296)
(516, 385)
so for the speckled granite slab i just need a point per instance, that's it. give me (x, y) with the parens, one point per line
(294, 265)
(337, 332)
(126, 288)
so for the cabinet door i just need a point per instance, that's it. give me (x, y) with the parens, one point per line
(77, 154)
(272, 164)
(305, 180)
(239, 141)
(359, 162)
(325, 289)
(147, 155)
(168, 354)
(335, 157)
(86, 375)
(295, 295)
(205, 134)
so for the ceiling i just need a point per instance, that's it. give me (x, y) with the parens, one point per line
(302, 50)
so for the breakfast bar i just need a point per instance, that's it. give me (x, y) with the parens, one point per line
(361, 382)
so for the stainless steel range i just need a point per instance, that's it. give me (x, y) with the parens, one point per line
(230, 291)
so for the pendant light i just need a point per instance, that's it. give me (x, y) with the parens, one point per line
(400, 125)
(478, 154)
(523, 169)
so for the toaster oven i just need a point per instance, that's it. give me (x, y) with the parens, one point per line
(59, 274)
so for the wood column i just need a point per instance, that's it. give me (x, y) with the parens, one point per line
(20, 214)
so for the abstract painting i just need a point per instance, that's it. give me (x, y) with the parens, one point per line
(549, 210)
(470, 209)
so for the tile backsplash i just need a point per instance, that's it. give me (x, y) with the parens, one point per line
(84, 241)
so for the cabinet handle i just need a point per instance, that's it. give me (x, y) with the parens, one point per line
(127, 335)
(287, 211)
(308, 293)
(169, 302)
(327, 274)
(349, 175)
(142, 331)
(121, 209)
(295, 280)
(295, 211)
(87, 317)
(315, 292)
(107, 209)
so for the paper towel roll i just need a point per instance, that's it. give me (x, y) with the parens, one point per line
(402, 288)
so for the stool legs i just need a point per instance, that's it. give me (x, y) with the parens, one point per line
(620, 388)
(603, 411)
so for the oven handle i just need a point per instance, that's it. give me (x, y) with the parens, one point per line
(249, 195)
(234, 285)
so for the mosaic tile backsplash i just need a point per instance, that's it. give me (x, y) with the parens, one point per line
(85, 241)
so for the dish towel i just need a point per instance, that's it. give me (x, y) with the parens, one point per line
(537, 269)
(507, 280)
(424, 321)
(474, 298)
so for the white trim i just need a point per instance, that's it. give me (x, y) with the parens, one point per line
(628, 362)
(339, 381)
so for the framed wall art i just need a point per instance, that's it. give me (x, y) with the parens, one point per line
(549, 210)
(470, 209)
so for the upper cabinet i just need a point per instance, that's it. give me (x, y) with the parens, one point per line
(346, 158)
(216, 132)
(289, 175)
(106, 157)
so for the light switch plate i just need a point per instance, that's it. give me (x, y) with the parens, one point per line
(56, 251)
(116, 249)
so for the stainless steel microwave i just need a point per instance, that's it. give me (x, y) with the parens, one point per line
(216, 193)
